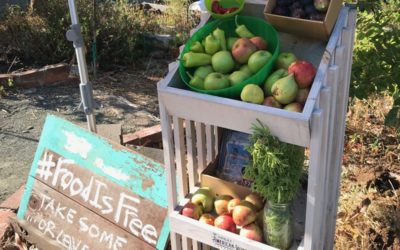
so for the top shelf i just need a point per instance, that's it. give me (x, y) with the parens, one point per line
(288, 126)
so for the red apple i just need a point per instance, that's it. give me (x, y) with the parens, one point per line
(232, 203)
(207, 218)
(294, 107)
(255, 199)
(225, 222)
(259, 42)
(244, 213)
(302, 95)
(304, 73)
(221, 204)
(252, 231)
(192, 210)
(271, 102)
(242, 50)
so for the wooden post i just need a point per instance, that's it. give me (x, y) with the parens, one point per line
(169, 162)
(313, 221)
(334, 185)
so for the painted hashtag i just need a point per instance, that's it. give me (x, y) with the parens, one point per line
(44, 166)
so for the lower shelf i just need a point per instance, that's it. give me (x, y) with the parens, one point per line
(222, 239)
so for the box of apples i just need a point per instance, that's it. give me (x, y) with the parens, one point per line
(239, 215)
(308, 18)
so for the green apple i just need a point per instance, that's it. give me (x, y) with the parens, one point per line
(245, 68)
(204, 198)
(284, 60)
(258, 59)
(230, 41)
(203, 71)
(237, 77)
(275, 76)
(222, 62)
(216, 80)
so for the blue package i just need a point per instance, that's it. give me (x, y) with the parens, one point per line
(233, 157)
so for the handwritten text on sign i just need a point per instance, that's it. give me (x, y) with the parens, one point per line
(82, 198)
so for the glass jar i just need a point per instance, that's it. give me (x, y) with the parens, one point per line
(278, 225)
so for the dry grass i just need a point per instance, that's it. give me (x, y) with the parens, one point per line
(369, 205)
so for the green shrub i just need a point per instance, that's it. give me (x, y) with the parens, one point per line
(38, 36)
(376, 55)
(376, 51)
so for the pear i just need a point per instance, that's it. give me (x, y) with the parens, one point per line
(203, 71)
(285, 89)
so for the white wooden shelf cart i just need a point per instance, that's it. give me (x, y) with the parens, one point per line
(190, 123)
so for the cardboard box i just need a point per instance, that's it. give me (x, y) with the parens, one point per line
(219, 186)
(320, 30)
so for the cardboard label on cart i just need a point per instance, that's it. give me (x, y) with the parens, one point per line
(84, 192)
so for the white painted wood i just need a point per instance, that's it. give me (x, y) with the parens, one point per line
(209, 234)
(315, 127)
(332, 81)
(180, 157)
(312, 221)
(191, 155)
(201, 147)
(325, 103)
(170, 168)
(348, 40)
(217, 139)
(210, 140)
(236, 115)
(326, 58)
(181, 173)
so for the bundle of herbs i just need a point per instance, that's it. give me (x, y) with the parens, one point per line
(275, 170)
(275, 167)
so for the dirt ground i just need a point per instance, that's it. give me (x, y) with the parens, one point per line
(124, 96)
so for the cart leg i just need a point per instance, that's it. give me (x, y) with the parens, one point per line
(336, 153)
(314, 196)
(169, 163)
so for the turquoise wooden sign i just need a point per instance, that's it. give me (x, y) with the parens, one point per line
(84, 192)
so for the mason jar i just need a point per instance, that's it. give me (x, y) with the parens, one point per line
(278, 225)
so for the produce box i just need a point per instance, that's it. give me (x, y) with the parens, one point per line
(219, 186)
(320, 30)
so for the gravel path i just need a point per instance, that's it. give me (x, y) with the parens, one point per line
(128, 97)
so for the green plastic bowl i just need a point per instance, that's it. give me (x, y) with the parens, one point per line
(258, 27)
(225, 4)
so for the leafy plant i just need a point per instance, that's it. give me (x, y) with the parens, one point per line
(376, 56)
(37, 36)
(275, 167)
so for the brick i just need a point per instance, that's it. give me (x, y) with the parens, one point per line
(4, 220)
(151, 133)
(47, 75)
(12, 202)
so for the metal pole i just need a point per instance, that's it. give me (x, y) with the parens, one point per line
(74, 35)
